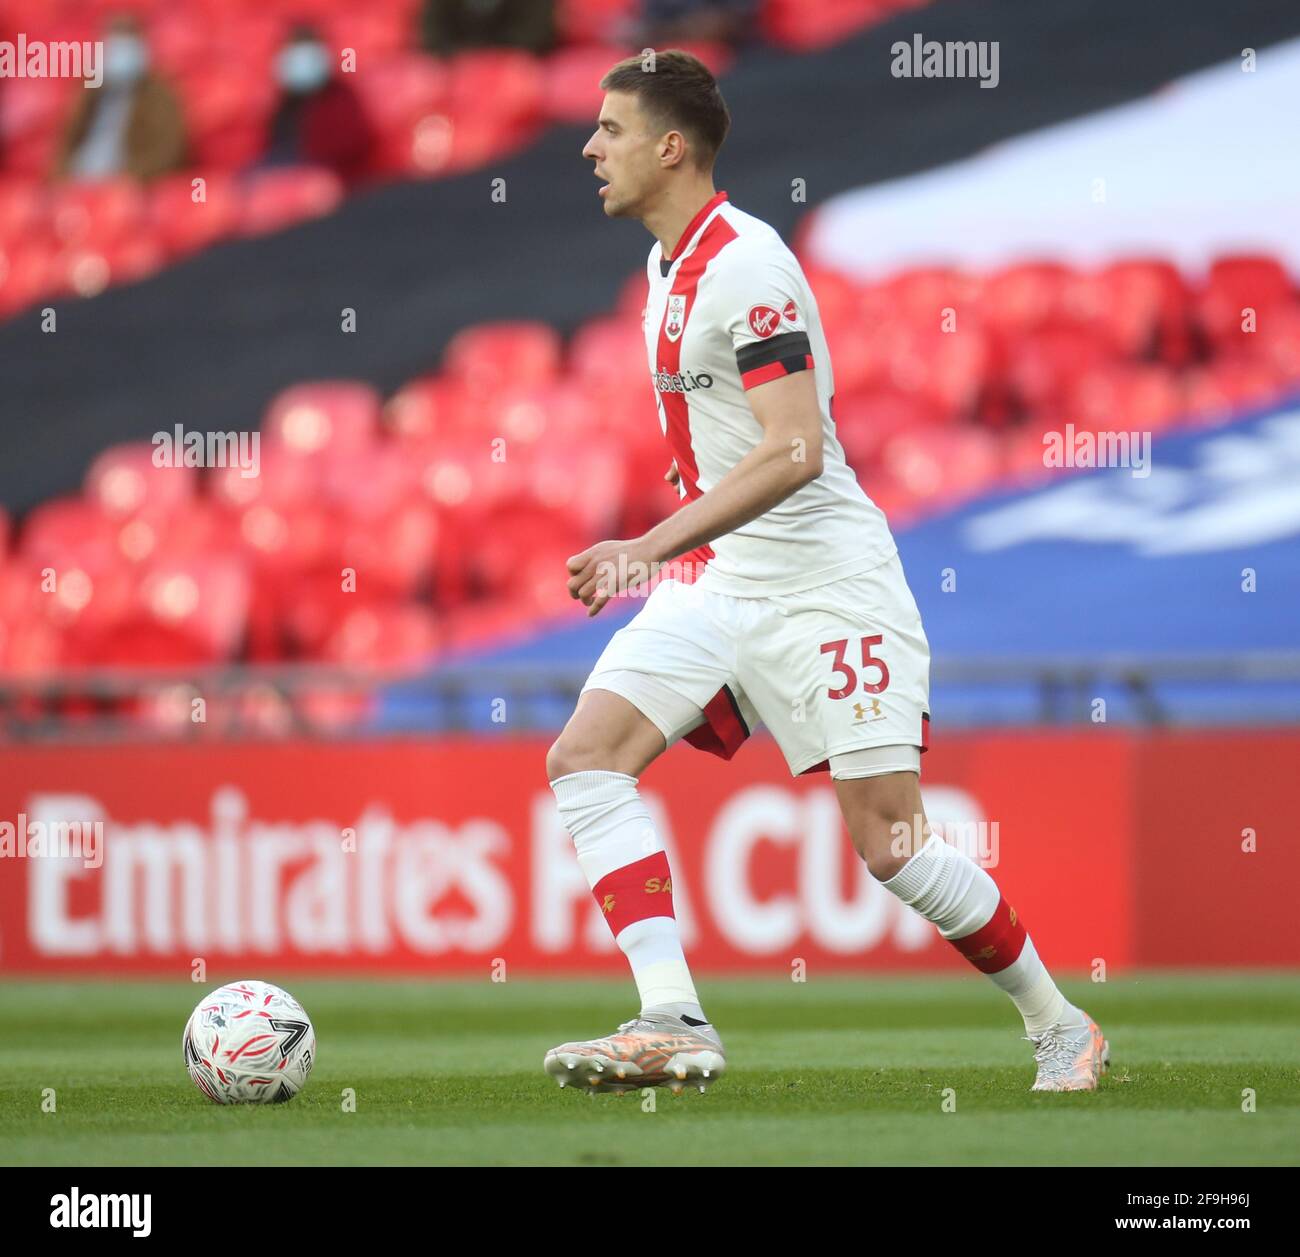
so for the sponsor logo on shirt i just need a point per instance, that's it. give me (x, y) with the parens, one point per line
(763, 320)
(681, 381)
(789, 313)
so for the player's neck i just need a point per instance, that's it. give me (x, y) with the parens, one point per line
(669, 220)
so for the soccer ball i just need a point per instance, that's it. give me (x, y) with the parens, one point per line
(249, 1043)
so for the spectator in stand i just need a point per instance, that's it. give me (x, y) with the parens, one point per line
(664, 22)
(131, 124)
(450, 25)
(320, 119)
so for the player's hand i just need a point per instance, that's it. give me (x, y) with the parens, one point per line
(672, 475)
(606, 569)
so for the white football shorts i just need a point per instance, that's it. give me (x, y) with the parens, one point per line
(840, 674)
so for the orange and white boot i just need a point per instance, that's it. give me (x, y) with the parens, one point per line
(653, 1050)
(1071, 1056)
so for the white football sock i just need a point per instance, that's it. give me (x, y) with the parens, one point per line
(611, 828)
(948, 888)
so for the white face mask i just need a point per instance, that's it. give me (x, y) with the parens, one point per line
(125, 59)
(302, 67)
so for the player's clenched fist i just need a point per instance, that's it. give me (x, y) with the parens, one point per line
(606, 569)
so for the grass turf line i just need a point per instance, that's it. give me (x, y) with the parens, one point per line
(832, 1071)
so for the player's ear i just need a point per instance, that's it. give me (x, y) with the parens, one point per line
(672, 149)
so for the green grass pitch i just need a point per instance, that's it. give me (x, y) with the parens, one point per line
(831, 1071)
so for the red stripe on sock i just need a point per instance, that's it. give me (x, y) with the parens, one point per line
(636, 891)
(996, 945)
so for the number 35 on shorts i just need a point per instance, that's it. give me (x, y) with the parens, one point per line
(873, 670)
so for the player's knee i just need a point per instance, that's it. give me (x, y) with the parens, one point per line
(885, 837)
(882, 856)
(885, 820)
(574, 752)
(561, 758)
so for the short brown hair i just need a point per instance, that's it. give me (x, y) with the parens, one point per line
(679, 93)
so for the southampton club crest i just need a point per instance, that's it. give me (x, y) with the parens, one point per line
(675, 316)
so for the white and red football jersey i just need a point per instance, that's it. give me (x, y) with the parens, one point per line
(730, 311)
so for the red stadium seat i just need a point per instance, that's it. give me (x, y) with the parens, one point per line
(66, 530)
(801, 25)
(838, 298)
(31, 120)
(631, 302)
(178, 44)
(463, 480)
(866, 421)
(1125, 397)
(285, 478)
(943, 466)
(31, 647)
(271, 200)
(1141, 305)
(1279, 341)
(336, 419)
(427, 408)
(498, 562)
(505, 83)
(1030, 295)
(374, 30)
(1042, 365)
(525, 417)
(97, 214)
(227, 106)
(1223, 388)
(860, 353)
(367, 485)
(579, 476)
(573, 77)
(177, 531)
(485, 358)
(1024, 455)
(1237, 284)
(309, 606)
(606, 353)
(394, 554)
(184, 612)
(384, 637)
(125, 478)
(22, 208)
(488, 621)
(406, 100)
(185, 219)
(923, 296)
(949, 368)
(593, 21)
(29, 270)
(717, 56)
(297, 538)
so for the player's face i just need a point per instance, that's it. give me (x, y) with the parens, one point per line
(626, 156)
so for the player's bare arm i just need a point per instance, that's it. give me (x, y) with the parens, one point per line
(787, 457)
